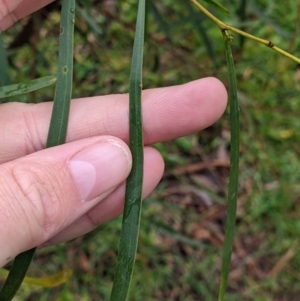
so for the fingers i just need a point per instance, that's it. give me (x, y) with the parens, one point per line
(43, 193)
(40, 197)
(112, 206)
(167, 113)
(13, 10)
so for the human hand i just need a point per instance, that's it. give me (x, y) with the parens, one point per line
(13, 10)
(52, 195)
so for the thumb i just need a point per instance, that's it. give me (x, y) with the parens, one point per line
(43, 193)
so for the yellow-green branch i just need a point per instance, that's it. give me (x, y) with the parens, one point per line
(223, 26)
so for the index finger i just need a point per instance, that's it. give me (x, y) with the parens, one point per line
(168, 113)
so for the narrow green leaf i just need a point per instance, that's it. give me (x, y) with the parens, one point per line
(217, 5)
(57, 131)
(63, 90)
(23, 88)
(16, 275)
(89, 20)
(4, 78)
(132, 209)
(234, 168)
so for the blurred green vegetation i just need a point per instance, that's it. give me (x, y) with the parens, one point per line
(182, 226)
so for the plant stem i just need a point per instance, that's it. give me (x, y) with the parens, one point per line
(223, 26)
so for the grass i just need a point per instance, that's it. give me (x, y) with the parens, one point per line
(182, 227)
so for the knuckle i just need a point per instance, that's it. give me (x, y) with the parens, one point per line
(7, 12)
(29, 125)
(4, 9)
(40, 191)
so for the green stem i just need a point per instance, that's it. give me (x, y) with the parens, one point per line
(223, 26)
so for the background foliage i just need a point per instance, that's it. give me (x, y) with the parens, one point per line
(182, 227)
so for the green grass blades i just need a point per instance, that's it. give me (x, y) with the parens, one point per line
(132, 209)
(234, 168)
(57, 131)
(63, 90)
(23, 88)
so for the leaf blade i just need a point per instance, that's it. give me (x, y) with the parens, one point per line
(132, 209)
(234, 168)
(56, 134)
(16, 275)
(23, 88)
(4, 77)
(63, 90)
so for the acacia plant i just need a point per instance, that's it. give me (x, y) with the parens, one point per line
(59, 121)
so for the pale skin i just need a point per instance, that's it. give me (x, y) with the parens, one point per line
(42, 202)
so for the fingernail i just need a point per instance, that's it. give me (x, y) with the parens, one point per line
(99, 168)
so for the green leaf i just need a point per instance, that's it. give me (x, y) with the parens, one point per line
(132, 209)
(234, 168)
(89, 20)
(4, 77)
(217, 5)
(63, 90)
(16, 275)
(57, 130)
(23, 88)
(4, 80)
